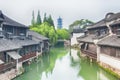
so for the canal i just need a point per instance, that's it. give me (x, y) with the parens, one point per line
(63, 64)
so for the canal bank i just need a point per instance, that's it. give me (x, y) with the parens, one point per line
(60, 64)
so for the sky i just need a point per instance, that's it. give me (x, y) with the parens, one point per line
(69, 10)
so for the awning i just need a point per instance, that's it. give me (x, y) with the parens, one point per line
(1, 62)
(14, 55)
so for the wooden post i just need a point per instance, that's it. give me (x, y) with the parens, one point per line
(17, 67)
(98, 53)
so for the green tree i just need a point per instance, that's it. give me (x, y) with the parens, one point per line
(38, 19)
(33, 18)
(63, 34)
(45, 18)
(83, 23)
(50, 21)
(53, 36)
(46, 30)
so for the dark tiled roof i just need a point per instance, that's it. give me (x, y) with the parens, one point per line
(112, 40)
(115, 22)
(90, 38)
(101, 23)
(25, 42)
(97, 25)
(78, 30)
(87, 38)
(37, 36)
(1, 16)
(8, 21)
(6, 45)
(113, 17)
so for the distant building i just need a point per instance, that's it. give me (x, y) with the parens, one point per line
(77, 32)
(59, 21)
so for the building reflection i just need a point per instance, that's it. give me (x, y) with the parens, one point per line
(88, 70)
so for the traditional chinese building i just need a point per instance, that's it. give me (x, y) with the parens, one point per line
(44, 41)
(102, 42)
(16, 45)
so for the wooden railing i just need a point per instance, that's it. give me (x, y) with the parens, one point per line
(27, 56)
(7, 66)
(90, 53)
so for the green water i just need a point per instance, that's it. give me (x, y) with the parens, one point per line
(60, 64)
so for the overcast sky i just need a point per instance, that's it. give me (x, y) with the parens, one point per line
(69, 10)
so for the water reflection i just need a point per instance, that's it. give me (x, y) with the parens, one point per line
(60, 64)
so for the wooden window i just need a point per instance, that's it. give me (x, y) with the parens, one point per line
(118, 53)
(113, 52)
(103, 31)
(92, 47)
(105, 50)
(22, 52)
(26, 50)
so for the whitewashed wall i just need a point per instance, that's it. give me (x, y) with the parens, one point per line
(75, 35)
(110, 60)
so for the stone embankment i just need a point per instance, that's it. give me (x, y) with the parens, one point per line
(8, 75)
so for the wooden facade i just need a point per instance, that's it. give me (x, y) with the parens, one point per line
(20, 44)
(107, 47)
(111, 51)
(28, 56)
(99, 31)
(45, 45)
(8, 64)
(115, 28)
(89, 49)
(16, 31)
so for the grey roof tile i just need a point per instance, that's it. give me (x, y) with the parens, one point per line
(102, 22)
(6, 45)
(87, 38)
(37, 36)
(112, 40)
(9, 21)
(25, 42)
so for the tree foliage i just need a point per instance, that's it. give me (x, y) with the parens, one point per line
(48, 31)
(38, 21)
(47, 28)
(83, 23)
(63, 34)
(50, 21)
(33, 19)
(45, 18)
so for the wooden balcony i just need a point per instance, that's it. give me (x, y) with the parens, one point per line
(90, 54)
(7, 66)
(27, 56)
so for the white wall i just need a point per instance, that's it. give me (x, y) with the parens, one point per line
(75, 35)
(110, 60)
